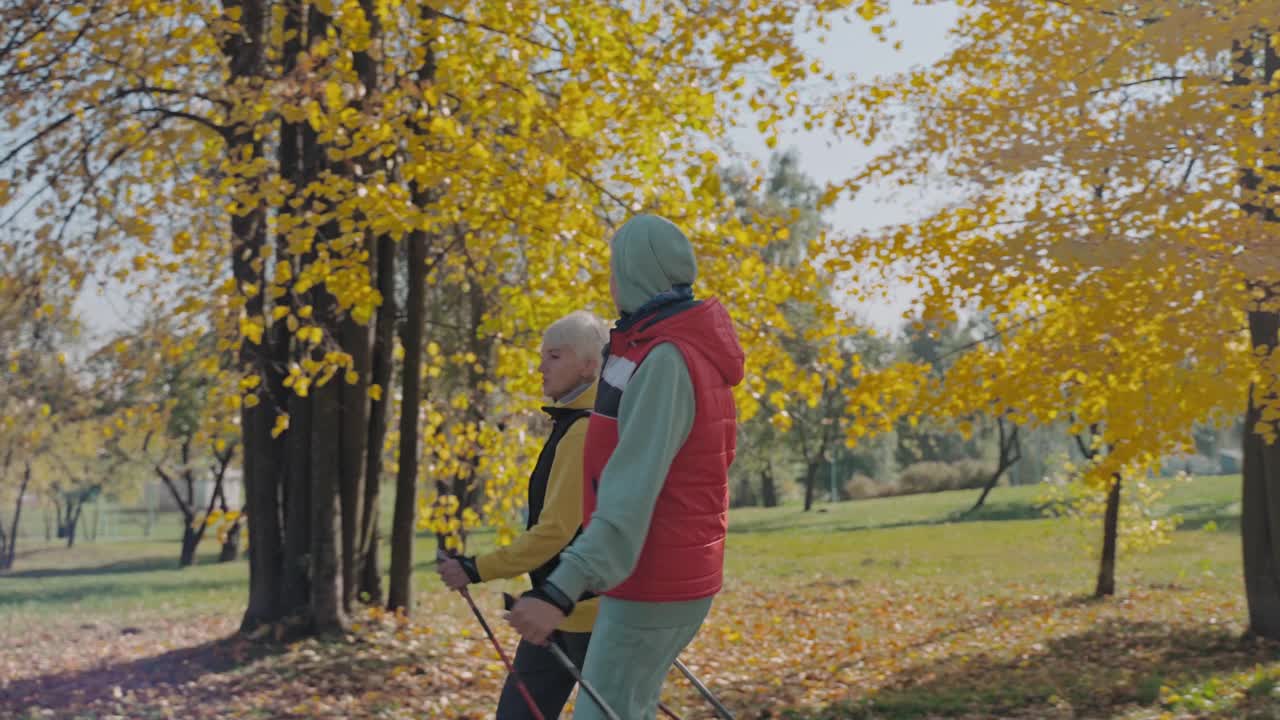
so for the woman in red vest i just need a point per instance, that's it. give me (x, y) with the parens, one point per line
(656, 463)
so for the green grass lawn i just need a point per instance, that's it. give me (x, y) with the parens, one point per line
(1008, 538)
(894, 607)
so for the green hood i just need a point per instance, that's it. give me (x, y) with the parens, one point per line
(650, 256)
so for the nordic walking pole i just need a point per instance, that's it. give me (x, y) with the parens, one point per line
(668, 711)
(509, 601)
(524, 691)
(573, 670)
(721, 710)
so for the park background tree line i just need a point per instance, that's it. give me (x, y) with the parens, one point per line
(352, 219)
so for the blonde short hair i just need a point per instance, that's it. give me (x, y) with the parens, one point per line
(581, 332)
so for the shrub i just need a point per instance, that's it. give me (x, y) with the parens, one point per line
(972, 474)
(862, 487)
(928, 477)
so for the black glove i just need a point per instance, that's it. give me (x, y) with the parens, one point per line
(468, 564)
(469, 567)
(548, 593)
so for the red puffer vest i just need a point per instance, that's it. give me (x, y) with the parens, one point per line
(683, 554)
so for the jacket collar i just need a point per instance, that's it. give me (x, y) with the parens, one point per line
(581, 399)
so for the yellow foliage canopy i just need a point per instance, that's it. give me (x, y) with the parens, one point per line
(1113, 167)
(515, 135)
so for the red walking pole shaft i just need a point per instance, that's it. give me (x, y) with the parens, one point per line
(524, 691)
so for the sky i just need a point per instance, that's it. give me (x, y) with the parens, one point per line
(851, 48)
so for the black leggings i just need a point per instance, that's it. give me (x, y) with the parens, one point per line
(548, 682)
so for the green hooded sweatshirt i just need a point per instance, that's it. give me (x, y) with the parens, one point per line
(650, 256)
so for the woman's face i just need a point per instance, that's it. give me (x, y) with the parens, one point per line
(562, 370)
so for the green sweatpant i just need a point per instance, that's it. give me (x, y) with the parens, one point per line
(633, 645)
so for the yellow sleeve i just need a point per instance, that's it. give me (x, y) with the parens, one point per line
(559, 521)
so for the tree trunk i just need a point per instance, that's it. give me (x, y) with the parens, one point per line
(262, 506)
(1010, 453)
(810, 477)
(465, 482)
(380, 369)
(246, 53)
(7, 558)
(296, 590)
(75, 511)
(370, 571)
(1260, 503)
(4, 538)
(326, 606)
(190, 540)
(230, 551)
(1110, 533)
(1260, 514)
(186, 505)
(73, 521)
(381, 363)
(400, 575)
(231, 539)
(353, 439)
(403, 520)
(192, 534)
(986, 490)
(1106, 584)
(768, 489)
(378, 355)
(97, 518)
(326, 514)
(295, 444)
(59, 524)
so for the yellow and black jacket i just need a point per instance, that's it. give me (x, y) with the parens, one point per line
(555, 508)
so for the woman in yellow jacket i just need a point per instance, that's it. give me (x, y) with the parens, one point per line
(571, 354)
